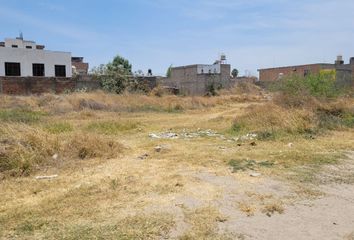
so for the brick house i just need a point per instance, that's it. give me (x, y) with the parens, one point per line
(344, 72)
(79, 66)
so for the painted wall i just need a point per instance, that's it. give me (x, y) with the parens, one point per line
(19, 42)
(26, 57)
(205, 69)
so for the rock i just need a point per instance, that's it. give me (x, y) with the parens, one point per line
(46, 177)
(221, 219)
(255, 174)
(253, 144)
(158, 149)
(153, 135)
(55, 156)
(144, 156)
(290, 145)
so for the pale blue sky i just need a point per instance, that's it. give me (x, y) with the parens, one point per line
(156, 33)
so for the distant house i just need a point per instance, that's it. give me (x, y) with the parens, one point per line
(199, 78)
(79, 66)
(344, 72)
(21, 58)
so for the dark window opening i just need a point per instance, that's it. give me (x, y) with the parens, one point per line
(12, 69)
(38, 70)
(60, 71)
(306, 72)
(14, 46)
(29, 47)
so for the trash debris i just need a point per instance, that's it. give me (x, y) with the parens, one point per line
(46, 177)
(255, 174)
(55, 156)
(290, 145)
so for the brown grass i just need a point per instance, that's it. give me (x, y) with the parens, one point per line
(26, 148)
(115, 193)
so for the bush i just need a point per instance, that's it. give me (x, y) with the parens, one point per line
(317, 85)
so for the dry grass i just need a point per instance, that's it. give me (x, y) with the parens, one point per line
(119, 103)
(27, 148)
(109, 195)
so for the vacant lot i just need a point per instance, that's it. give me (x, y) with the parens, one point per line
(144, 167)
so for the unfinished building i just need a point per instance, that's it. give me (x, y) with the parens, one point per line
(199, 79)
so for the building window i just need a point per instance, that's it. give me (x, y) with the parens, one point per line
(12, 69)
(38, 69)
(306, 72)
(29, 47)
(60, 71)
(14, 46)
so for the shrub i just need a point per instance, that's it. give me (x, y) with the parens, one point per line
(321, 85)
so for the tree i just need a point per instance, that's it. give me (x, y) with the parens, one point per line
(168, 73)
(120, 64)
(234, 73)
(114, 76)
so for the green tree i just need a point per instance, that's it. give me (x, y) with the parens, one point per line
(119, 64)
(168, 73)
(234, 73)
(114, 76)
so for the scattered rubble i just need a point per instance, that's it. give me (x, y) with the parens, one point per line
(201, 133)
(46, 177)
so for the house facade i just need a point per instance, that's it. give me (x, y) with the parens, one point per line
(21, 58)
(199, 78)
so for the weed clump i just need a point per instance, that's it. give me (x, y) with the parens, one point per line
(24, 149)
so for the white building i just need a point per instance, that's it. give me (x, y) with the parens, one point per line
(26, 59)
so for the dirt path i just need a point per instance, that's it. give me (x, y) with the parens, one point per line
(330, 216)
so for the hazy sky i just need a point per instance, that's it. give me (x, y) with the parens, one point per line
(156, 33)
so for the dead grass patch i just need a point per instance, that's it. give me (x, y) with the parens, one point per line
(24, 148)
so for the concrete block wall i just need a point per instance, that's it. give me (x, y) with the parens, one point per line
(189, 82)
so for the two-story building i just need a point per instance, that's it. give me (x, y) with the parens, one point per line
(21, 58)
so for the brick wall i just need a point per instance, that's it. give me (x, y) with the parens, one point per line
(34, 85)
(272, 74)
